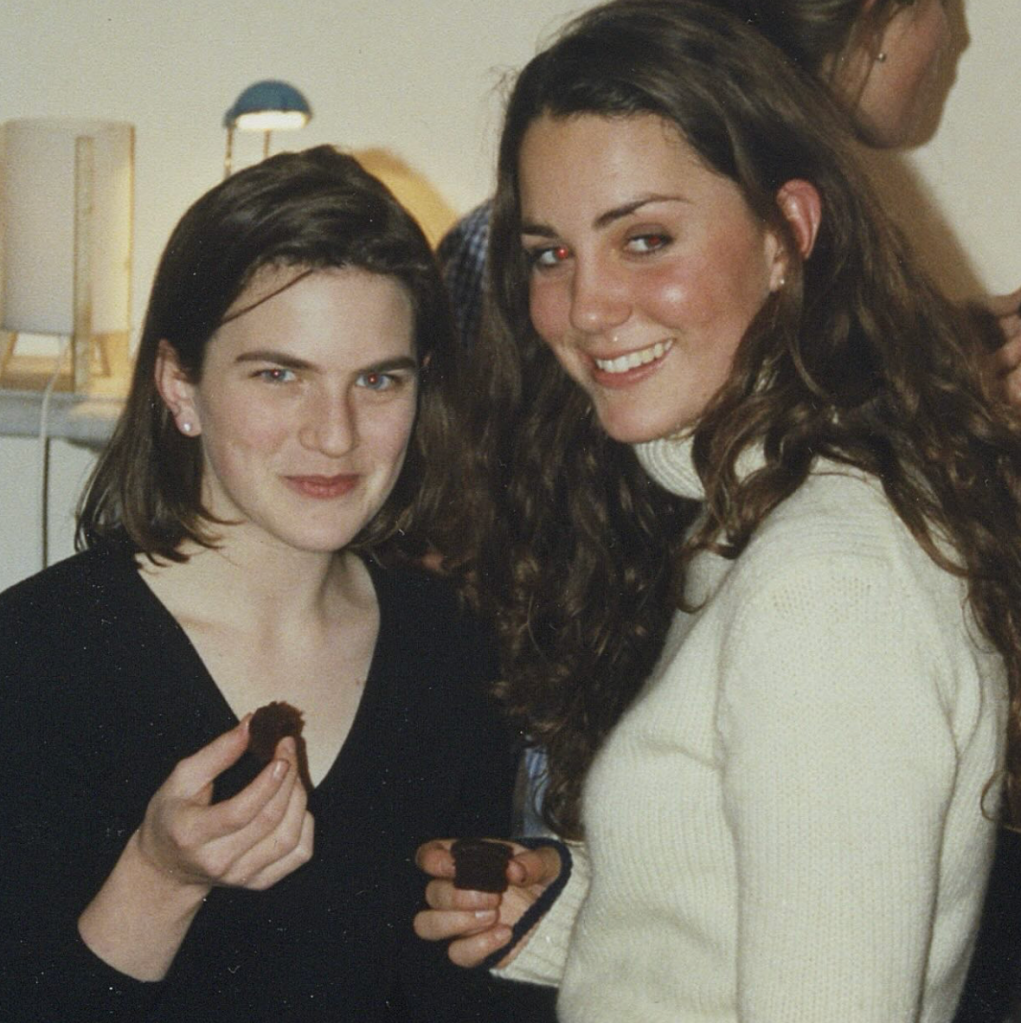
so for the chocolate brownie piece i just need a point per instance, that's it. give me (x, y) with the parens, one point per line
(269, 725)
(481, 864)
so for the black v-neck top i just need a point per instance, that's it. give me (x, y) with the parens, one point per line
(102, 693)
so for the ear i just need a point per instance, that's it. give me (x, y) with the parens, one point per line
(801, 206)
(176, 390)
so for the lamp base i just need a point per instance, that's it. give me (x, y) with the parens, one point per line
(108, 373)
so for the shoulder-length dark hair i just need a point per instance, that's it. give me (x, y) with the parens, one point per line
(315, 209)
(575, 553)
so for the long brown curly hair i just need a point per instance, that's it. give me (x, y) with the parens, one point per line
(577, 556)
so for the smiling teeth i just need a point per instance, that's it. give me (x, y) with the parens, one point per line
(635, 359)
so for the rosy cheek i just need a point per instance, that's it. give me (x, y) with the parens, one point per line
(550, 312)
(257, 428)
(387, 429)
(676, 302)
(672, 298)
(402, 435)
(548, 309)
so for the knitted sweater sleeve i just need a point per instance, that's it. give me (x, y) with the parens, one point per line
(540, 960)
(839, 759)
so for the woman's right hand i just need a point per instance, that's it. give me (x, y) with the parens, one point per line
(249, 841)
(186, 845)
(480, 923)
(1005, 361)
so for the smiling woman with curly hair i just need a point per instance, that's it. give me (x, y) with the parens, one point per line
(746, 512)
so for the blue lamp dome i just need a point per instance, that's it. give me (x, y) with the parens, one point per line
(268, 106)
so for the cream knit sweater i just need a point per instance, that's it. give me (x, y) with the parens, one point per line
(786, 825)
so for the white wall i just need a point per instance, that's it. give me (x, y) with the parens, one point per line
(417, 78)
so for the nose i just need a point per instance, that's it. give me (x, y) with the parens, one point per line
(599, 297)
(329, 424)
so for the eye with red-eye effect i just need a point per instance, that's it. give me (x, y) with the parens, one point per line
(377, 380)
(276, 375)
(547, 256)
(646, 242)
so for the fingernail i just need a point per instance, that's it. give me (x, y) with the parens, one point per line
(280, 768)
(484, 914)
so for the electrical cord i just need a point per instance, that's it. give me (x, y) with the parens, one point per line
(44, 454)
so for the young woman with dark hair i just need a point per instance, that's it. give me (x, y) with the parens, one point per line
(746, 512)
(236, 533)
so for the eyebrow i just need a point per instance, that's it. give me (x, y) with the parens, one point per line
(269, 355)
(405, 362)
(401, 362)
(607, 218)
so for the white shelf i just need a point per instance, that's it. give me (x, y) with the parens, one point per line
(82, 419)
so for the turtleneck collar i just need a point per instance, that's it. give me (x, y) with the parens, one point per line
(668, 462)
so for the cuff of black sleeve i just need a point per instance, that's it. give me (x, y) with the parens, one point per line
(538, 909)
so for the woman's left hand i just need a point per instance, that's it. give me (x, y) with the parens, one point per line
(477, 924)
(1006, 360)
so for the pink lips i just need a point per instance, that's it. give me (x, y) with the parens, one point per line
(323, 487)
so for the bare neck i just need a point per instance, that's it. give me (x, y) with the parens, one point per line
(279, 624)
(259, 585)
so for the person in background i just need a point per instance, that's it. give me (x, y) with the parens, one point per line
(745, 506)
(241, 547)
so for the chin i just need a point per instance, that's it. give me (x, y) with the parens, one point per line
(627, 430)
(890, 133)
(314, 542)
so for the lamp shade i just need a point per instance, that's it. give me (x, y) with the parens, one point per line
(268, 106)
(38, 215)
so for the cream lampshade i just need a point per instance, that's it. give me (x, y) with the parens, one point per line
(66, 215)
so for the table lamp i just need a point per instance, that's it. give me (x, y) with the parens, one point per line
(66, 220)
